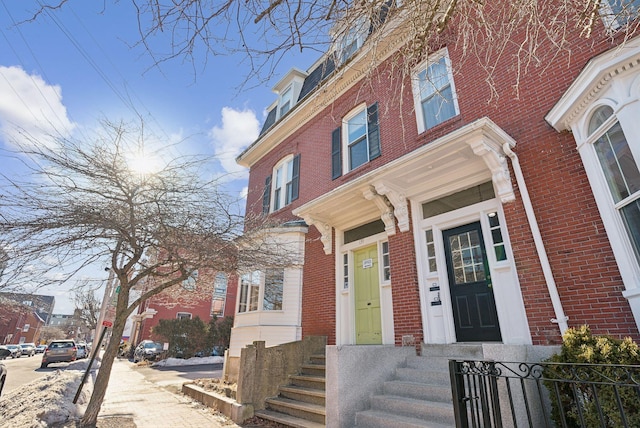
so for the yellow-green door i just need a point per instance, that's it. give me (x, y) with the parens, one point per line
(367, 296)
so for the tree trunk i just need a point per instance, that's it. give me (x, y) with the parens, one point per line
(104, 373)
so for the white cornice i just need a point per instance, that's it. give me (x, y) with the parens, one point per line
(592, 80)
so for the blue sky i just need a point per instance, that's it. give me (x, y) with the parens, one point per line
(75, 66)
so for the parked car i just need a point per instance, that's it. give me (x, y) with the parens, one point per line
(40, 349)
(147, 350)
(4, 353)
(28, 349)
(59, 351)
(83, 350)
(16, 350)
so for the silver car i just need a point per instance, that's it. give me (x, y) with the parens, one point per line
(4, 353)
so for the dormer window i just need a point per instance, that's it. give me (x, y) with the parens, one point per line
(288, 90)
(286, 101)
(351, 40)
(617, 13)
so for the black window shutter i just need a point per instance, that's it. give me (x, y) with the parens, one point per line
(266, 196)
(374, 131)
(295, 178)
(336, 154)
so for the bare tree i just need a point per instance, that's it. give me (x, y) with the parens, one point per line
(87, 306)
(50, 332)
(525, 33)
(85, 204)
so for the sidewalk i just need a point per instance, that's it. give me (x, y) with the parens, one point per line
(131, 399)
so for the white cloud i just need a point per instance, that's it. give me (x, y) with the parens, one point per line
(28, 105)
(239, 129)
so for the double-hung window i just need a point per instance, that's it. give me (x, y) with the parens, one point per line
(620, 170)
(357, 141)
(219, 294)
(282, 187)
(351, 40)
(270, 282)
(434, 92)
(285, 101)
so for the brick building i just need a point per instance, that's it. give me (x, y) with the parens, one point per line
(187, 302)
(434, 209)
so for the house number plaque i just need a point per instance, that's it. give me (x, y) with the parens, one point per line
(367, 263)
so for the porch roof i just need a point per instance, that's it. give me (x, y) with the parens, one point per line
(465, 157)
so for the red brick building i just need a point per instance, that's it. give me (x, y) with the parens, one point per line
(434, 208)
(187, 302)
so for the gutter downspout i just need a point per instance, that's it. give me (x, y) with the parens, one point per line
(560, 319)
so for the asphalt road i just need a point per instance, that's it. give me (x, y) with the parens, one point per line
(23, 370)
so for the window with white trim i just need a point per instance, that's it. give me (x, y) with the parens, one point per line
(345, 271)
(496, 236)
(271, 282)
(183, 316)
(617, 13)
(386, 262)
(356, 141)
(219, 294)
(286, 101)
(351, 40)
(620, 170)
(434, 92)
(273, 288)
(282, 186)
(431, 251)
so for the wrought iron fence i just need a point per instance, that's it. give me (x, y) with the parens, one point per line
(517, 394)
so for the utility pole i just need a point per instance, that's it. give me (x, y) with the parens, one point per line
(106, 301)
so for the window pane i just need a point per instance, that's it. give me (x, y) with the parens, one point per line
(618, 164)
(631, 216)
(438, 108)
(358, 154)
(357, 126)
(244, 292)
(273, 283)
(599, 117)
(624, 10)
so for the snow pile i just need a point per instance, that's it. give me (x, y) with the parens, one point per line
(169, 362)
(48, 401)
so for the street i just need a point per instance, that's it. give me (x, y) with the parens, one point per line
(25, 369)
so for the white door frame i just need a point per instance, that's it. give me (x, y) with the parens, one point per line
(438, 322)
(345, 303)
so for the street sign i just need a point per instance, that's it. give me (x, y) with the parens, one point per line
(107, 323)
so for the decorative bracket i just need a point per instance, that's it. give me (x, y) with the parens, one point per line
(497, 164)
(325, 231)
(385, 208)
(399, 202)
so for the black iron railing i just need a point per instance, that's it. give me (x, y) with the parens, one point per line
(516, 394)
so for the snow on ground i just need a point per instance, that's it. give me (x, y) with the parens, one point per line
(169, 362)
(48, 401)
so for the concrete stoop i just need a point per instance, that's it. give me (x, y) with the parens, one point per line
(301, 403)
(420, 393)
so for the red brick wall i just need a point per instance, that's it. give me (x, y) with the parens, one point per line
(404, 287)
(581, 258)
(318, 290)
